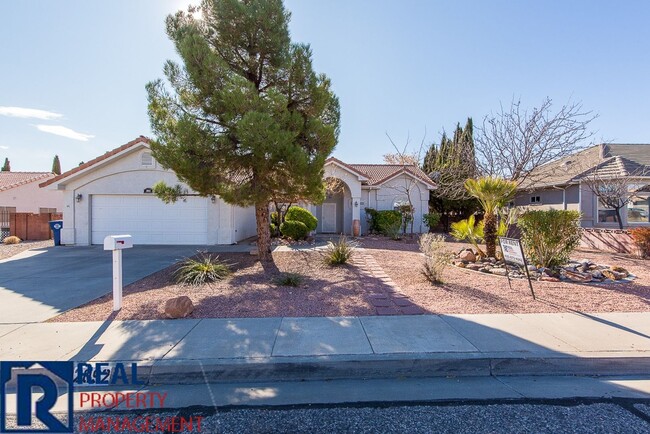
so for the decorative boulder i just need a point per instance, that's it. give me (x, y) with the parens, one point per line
(179, 307)
(578, 277)
(549, 279)
(613, 275)
(499, 271)
(621, 270)
(467, 255)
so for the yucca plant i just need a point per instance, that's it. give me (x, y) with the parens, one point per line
(204, 268)
(492, 193)
(289, 279)
(340, 252)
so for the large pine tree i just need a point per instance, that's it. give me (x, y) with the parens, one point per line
(449, 164)
(246, 118)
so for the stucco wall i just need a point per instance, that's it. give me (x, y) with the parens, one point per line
(125, 176)
(29, 198)
(552, 198)
(400, 188)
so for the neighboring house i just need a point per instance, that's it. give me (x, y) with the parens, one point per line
(112, 195)
(20, 192)
(561, 184)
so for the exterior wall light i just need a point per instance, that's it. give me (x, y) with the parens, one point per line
(78, 197)
(213, 199)
(356, 203)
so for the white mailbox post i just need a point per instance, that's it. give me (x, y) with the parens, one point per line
(117, 243)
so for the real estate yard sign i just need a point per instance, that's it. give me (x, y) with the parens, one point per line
(513, 253)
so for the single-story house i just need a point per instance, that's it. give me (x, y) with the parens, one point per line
(20, 192)
(564, 184)
(112, 194)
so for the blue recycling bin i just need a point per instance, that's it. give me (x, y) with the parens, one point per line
(56, 226)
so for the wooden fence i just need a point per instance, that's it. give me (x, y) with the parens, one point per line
(33, 227)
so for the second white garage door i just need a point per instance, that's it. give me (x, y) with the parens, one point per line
(149, 220)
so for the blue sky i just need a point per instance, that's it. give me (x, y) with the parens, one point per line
(397, 66)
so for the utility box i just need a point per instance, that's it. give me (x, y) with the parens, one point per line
(118, 242)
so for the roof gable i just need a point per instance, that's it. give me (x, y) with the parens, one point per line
(90, 165)
(379, 174)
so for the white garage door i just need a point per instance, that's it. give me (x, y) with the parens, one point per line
(149, 220)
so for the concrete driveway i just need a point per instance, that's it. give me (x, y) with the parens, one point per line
(39, 284)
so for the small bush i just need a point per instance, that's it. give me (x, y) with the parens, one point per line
(371, 218)
(431, 220)
(289, 279)
(389, 223)
(294, 229)
(641, 237)
(340, 252)
(202, 269)
(296, 213)
(12, 240)
(436, 256)
(550, 236)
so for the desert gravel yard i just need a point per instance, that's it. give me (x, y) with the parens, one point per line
(349, 290)
(9, 250)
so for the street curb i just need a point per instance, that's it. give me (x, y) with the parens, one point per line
(167, 372)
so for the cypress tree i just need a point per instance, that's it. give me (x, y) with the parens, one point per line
(56, 165)
(245, 116)
(6, 167)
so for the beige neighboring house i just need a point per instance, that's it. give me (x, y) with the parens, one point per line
(561, 184)
(112, 194)
(20, 192)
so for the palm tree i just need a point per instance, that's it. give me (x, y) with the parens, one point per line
(492, 193)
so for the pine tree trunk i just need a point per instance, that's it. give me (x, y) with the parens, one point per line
(262, 218)
(490, 234)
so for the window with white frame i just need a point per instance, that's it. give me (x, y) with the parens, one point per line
(606, 214)
(638, 208)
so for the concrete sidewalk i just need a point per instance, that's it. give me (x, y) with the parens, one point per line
(272, 349)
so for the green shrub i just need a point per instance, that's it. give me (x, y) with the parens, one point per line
(436, 256)
(12, 240)
(468, 230)
(289, 279)
(406, 211)
(389, 223)
(340, 252)
(431, 220)
(274, 230)
(298, 214)
(202, 269)
(641, 237)
(549, 237)
(371, 218)
(294, 229)
(275, 218)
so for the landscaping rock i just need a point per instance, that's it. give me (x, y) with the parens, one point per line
(612, 275)
(179, 307)
(549, 279)
(621, 270)
(532, 268)
(475, 267)
(578, 277)
(461, 264)
(596, 274)
(467, 255)
(499, 271)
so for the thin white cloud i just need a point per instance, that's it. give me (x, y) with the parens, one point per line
(21, 112)
(60, 130)
(4, 147)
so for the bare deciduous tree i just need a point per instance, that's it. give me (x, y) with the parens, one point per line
(409, 158)
(514, 141)
(614, 184)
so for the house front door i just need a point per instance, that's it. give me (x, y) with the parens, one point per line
(329, 217)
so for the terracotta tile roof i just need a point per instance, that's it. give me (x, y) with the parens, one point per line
(96, 160)
(377, 174)
(15, 179)
(607, 159)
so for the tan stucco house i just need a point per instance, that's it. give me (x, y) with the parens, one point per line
(562, 184)
(112, 194)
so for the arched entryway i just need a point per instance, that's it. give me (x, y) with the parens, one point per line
(331, 213)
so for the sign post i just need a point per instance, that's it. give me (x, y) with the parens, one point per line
(117, 243)
(514, 253)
